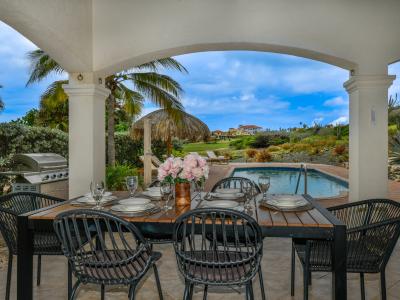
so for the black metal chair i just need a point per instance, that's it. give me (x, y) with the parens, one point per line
(45, 241)
(119, 256)
(236, 183)
(373, 228)
(233, 260)
(239, 182)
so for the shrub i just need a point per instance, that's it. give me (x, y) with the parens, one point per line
(392, 130)
(18, 138)
(339, 149)
(115, 176)
(301, 147)
(251, 153)
(261, 141)
(286, 146)
(241, 143)
(263, 156)
(274, 148)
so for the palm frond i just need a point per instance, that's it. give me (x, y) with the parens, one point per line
(41, 66)
(160, 81)
(2, 105)
(132, 101)
(166, 63)
(393, 103)
(53, 95)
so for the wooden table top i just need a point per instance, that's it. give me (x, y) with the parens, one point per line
(264, 216)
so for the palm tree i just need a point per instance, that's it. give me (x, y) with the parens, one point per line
(1, 102)
(146, 81)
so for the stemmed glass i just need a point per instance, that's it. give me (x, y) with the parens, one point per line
(200, 188)
(166, 193)
(131, 184)
(97, 191)
(264, 183)
(247, 189)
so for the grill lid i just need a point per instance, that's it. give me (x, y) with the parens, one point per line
(38, 162)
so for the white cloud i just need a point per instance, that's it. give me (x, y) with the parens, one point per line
(337, 101)
(340, 121)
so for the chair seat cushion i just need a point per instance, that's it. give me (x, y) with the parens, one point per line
(367, 260)
(114, 266)
(218, 267)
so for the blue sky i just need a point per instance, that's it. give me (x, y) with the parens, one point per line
(224, 89)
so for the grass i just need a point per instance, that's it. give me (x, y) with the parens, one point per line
(202, 147)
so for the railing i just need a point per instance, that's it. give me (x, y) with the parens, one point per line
(303, 169)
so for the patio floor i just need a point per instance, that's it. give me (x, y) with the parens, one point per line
(276, 267)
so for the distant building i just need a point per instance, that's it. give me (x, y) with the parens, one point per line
(250, 129)
(218, 133)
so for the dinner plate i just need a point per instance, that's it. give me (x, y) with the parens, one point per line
(152, 194)
(134, 201)
(91, 201)
(133, 208)
(287, 203)
(227, 196)
(153, 189)
(227, 191)
(106, 194)
(222, 204)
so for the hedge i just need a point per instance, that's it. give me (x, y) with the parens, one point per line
(18, 138)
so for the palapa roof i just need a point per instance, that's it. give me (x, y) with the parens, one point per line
(165, 128)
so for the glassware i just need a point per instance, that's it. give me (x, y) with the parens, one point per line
(166, 194)
(97, 191)
(247, 189)
(200, 188)
(264, 183)
(131, 185)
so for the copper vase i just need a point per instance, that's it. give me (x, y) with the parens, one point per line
(182, 194)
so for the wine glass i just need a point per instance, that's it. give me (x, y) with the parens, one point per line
(200, 188)
(264, 182)
(131, 184)
(97, 191)
(166, 193)
(247, 189)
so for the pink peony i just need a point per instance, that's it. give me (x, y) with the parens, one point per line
(197, 173)
(190, 161)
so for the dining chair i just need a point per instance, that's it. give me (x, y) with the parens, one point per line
(373, 228)
(235, 183)
(118, 256)
(45, 241)
(231, 261)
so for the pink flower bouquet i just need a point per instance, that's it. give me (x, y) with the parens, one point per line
(192, 168)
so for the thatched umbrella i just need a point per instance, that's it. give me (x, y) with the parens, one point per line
(165, 128)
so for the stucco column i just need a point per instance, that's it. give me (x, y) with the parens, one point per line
(87, 150)
(368, 152)
(147, 151)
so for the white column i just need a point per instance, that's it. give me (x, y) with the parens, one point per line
(368, 151)
(147, 151)
(87, 155)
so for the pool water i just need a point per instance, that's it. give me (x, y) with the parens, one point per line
(284, 180)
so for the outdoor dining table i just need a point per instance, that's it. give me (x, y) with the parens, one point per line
(316, 223)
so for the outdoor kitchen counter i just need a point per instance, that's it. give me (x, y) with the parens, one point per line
(316, 223)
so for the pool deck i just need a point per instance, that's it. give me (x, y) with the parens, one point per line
(217, 172)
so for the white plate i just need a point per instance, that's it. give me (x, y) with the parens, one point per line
(133, 208)
(287, 203)
(106, 194)
(227, 191)
(222, 204)
(134, 201)
(153, 189)
(91, 201)
(228, 196)
(152, 194)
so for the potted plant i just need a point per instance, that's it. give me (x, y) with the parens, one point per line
(181, 172)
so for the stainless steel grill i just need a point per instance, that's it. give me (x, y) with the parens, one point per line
(46, 173)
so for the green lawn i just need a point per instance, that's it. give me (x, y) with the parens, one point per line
(202, 147)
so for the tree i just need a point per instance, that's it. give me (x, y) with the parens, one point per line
(1, 102)
(145, 80)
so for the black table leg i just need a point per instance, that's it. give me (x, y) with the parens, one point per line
(25, 260)
(339, 274)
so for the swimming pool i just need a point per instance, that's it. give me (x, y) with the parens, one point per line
(284, 180)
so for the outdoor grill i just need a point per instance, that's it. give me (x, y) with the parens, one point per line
(45, 173)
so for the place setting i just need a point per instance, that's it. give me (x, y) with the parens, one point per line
(134, 205)
(281, 202)
(96, 198)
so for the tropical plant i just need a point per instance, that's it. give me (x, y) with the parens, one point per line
(115, 176)
(1, 102)
(145, 80)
